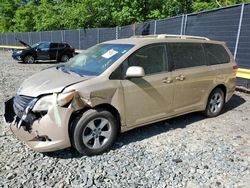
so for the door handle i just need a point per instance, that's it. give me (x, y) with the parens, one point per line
(180, 77)
(167, 80)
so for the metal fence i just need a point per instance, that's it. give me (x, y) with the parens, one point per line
(231, 24)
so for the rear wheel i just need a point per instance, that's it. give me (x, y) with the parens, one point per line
(64, 58)
(94, 132)
(29, 59)
(215, 103)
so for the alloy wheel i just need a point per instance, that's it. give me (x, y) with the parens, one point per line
(216, 102)
(97, 133)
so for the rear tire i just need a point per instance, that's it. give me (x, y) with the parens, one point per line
(29, 59)
(215, 103)
(94, 132)
(64, 58)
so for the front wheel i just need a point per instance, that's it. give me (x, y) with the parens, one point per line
(215, 103)
(29, 59)
(94, 132)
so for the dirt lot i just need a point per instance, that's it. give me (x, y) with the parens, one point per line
(188, 151)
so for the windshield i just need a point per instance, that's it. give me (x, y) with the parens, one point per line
(35, 45)
(96, 59)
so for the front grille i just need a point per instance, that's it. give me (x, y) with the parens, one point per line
(21, 102)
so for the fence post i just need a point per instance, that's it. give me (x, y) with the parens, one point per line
(182, 22)
(98, 33)
(116, 32)
(239, 30)
(61, 35)
(155, 25)
(185, 25)
(134, 29)
(14, 44)
(6, 36)
(40, 36)
(79, 35)
(29, 37)
(64, 36)
(51, 37)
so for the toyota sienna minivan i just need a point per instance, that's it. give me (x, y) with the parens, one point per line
(119, 85)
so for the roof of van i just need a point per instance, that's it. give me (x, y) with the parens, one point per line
(163, 38)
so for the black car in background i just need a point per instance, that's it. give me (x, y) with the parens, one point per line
(60, 52)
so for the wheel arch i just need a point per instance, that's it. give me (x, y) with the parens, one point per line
(112, 110)
(75, 116)
(222, 87)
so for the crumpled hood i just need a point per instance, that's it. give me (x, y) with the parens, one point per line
(48, 81)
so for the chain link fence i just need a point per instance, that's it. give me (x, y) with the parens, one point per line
(231, 24)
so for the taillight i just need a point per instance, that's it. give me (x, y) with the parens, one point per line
(235, 67)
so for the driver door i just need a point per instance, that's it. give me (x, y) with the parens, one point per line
(42, 51)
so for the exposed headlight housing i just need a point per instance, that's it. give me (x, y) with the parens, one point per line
(46, 102)
(19, 52)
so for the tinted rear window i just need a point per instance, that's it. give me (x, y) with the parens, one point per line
(216, 54)
(184, 55)
(53, 45)
(61, 45)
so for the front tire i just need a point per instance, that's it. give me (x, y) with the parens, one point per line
(215, 103)
(29, 59)
(94, 132)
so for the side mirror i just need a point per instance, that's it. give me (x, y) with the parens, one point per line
(135, 72)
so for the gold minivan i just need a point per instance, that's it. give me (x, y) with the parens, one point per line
(119, 85)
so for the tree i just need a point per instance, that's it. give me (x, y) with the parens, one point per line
(23, 19)
(7, 12)
(42, 15)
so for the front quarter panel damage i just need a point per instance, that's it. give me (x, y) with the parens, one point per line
(100, 93)
(50, 132)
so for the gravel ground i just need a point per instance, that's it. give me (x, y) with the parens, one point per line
(188, 151)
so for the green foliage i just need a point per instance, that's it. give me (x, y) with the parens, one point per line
(42, 15)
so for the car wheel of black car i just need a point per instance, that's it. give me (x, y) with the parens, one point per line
(29, 59)
(215, 103)
(64, 58)
(94, 132)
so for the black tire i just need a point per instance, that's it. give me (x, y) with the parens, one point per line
(29, 59)
(64, 58)
(80, 133)
(215, 103)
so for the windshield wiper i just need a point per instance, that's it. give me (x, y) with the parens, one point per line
(74, 73)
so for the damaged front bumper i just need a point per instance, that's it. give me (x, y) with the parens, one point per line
(46, 133)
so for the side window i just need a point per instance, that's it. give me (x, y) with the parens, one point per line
(44, 46)
(53, 45)
(216, 54)
(152, 58)
(184, 55)
(60, 45)
(118, 73)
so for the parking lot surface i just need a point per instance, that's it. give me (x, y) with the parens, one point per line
(188, 151)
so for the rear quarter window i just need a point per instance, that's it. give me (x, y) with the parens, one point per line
(60, 45)
(216, 54)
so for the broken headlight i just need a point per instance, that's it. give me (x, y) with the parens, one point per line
(19, 52)
(46, 102)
